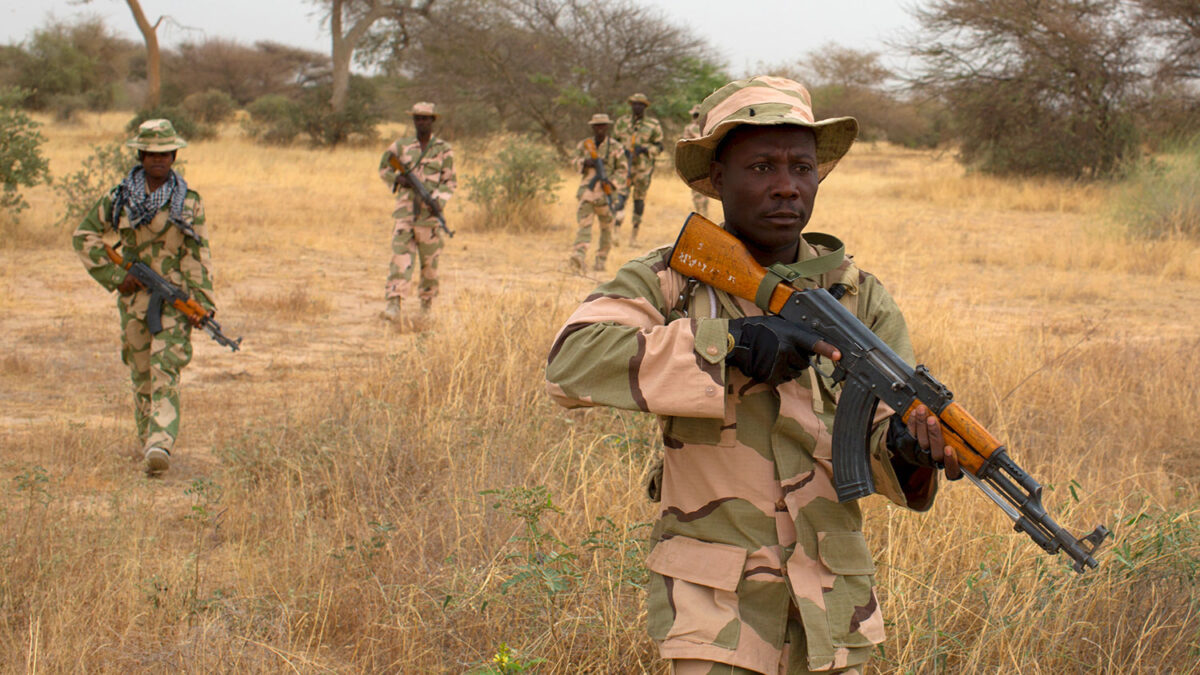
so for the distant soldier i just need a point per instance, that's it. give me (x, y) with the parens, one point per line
(642, 138)
(159, 221)
(597, 195)
(692, 130)
(415, 233)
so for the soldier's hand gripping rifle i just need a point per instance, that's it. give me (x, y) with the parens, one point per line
(601, 176)
(421, 190)
(870, 372)
(163, 291)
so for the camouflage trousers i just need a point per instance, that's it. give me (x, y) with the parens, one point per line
(413, 243)
(155, 362)
(792, 661)
(635, 195)
(588, 212)
(699, 203)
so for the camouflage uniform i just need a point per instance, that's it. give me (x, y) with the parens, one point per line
(592, 202)
(645, 132)
(755, 566)
(415, 234)
(699, 201)
(154, 360)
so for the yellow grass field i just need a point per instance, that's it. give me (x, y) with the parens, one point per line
(347, 497)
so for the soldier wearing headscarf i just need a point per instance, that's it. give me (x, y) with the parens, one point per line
(159, 221)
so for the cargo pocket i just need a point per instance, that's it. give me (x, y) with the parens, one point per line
(851, 606)
(693, 591)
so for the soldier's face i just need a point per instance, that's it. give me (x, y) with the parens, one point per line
(638, 108)
(157, 165)
(600, 131)
(423, 124)
(767, 179)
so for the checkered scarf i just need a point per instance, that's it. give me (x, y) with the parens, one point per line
(143, 205)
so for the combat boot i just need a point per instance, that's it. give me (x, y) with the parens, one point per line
(157, 461)
(392, 312)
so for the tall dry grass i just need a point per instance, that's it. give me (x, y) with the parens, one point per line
(351, 498)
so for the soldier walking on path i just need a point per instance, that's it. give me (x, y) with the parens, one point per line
(415, 234)
(597, 195)
(692, 130)
(160, 222)
(642, 138)
(756, 567)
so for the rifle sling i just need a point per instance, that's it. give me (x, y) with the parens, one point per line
(813, 267)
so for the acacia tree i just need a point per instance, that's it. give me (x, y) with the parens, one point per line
(380, 28)
(149, 33)
(1042, 86)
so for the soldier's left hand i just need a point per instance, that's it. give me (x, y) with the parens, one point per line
(129, 285)
(927, 429)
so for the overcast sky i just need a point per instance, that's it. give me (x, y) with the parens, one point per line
(743, 32)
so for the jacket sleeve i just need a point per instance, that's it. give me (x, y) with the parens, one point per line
(618, 349)
(89, 244)
(194, 259)
(881, 314)
(386, 172)
(447, 180)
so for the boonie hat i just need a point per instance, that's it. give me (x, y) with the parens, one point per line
(156, 135)
(639, 98)
(761, 100)
(424, 108)
(600, 118)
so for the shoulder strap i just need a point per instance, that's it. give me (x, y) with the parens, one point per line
(804, 269)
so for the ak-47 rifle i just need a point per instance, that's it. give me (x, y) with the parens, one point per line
(601, 176)
(871, 372)
(162, 291)
(421, 190)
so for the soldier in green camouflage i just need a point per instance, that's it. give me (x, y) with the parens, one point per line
(755, 567)
(415, 235)
(594, 201)
(692, 130)
(158, 220)
(642, 138)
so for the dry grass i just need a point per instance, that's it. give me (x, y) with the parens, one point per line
(329, 506)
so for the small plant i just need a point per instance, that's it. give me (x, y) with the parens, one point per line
(206, 495)
(544, 561)
(274, 120)
(21, 161)
(506, 661)
(513, 190)
(103, 169)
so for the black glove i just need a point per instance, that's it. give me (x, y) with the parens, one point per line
(769, 348)
(904, 445)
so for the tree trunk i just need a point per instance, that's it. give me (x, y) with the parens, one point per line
(341, 59)
(153, 61)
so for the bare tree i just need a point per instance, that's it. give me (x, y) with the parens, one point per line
(1177, 24)
(381, 26)
(149, 33)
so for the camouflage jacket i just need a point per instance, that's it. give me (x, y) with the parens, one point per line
(750, 524)
(615, 167)
(435, 169)
(178, 258)
(646, 132)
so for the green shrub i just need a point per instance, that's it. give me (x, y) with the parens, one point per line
(21, 161)
(185, 125)
(1161, 197)
(274, 120)
(104, 168)
(210, 107)
(513, 190)
(355, 124)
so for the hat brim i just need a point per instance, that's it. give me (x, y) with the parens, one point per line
(157, 147)
(694, 155)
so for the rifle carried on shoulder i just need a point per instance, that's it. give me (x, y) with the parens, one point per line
(871, 372)
(162, 291)
(421, 190)
(601, 176)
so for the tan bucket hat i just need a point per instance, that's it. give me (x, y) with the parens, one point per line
(762, 100)
(424, 108)
(639, 98)
(600, 118)
(157, 135)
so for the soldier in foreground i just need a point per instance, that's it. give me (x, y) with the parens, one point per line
(755, 567)
(642, 138)
(692, 130)
(415, 232)
(601, 162)
(160, 222)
